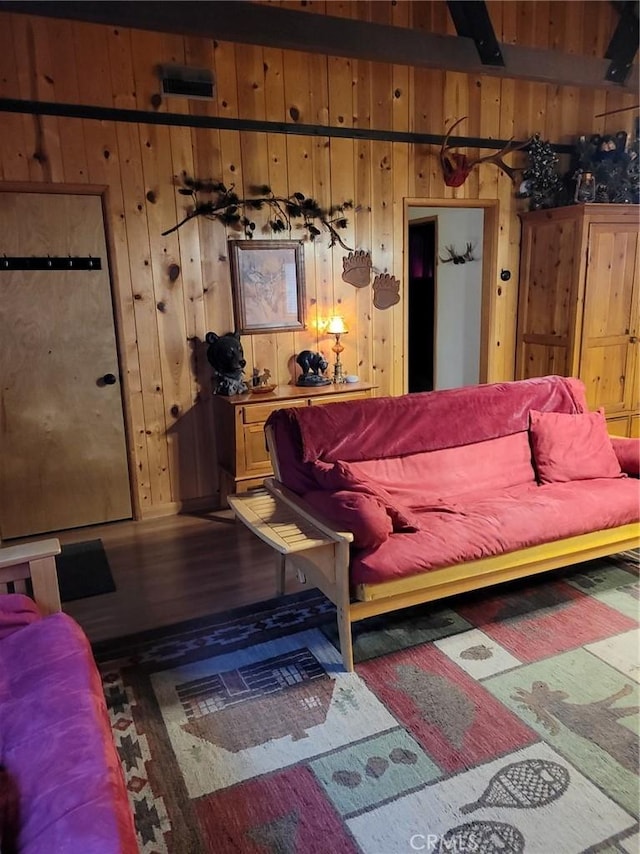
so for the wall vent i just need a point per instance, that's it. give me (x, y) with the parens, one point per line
(184, 82)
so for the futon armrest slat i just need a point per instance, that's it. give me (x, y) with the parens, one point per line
(303, 510)
(277, 523)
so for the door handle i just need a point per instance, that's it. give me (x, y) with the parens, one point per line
(633, 339)
(109, 379)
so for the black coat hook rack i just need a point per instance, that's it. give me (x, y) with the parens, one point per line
(48, 262)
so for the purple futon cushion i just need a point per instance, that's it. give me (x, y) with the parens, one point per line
(56, 741)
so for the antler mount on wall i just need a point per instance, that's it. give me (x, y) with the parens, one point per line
(458, 257)
(456, 167)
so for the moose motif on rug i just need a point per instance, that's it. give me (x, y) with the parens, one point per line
(598, 722)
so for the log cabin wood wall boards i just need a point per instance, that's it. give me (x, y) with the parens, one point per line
(161, 322)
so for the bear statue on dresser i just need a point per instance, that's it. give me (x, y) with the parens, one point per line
(312, 364)
(226, 357)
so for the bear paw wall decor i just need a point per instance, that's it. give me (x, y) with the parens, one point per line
(356, 268)
(226, 357)
(312, 364)
(386, 291)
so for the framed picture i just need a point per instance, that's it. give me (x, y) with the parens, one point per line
(267, 280)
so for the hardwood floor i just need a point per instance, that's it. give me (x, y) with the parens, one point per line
(172, 569)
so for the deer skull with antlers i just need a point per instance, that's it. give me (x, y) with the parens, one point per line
(457, 167)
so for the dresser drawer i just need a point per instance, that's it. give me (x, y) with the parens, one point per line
(341, 397)
(259, 412)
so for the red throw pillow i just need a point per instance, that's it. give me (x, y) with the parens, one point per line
(572, 446)
(363, 515)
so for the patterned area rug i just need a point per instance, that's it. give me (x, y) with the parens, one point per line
(505, 721)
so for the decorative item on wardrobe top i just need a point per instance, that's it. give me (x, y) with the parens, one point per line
(605, 169)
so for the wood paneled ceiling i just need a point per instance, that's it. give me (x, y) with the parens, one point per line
(475, 49)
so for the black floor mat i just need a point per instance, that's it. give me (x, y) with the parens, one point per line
(83, 571)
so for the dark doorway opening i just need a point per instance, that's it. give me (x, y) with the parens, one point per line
(422, 300)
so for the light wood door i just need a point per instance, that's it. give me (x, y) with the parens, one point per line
(63, 456)
(610, 325)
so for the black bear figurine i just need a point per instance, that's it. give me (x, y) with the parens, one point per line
(226, 357)
(312, 364)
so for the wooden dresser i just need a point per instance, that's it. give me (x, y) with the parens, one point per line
(243, 460)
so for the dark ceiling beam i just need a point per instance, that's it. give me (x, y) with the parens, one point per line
(624, 44)
(471, 20)
(148, 117)
(248, 23)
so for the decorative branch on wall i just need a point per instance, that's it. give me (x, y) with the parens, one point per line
(229, 208)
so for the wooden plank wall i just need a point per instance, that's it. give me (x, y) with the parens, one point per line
(167, 381)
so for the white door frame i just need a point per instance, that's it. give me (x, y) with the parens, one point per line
(491, 209)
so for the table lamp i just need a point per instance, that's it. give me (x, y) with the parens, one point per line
(336, 327)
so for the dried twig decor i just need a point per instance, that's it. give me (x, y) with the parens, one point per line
(226, 206)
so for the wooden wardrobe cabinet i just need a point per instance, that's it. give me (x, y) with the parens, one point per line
(578, 304)
(243, 459)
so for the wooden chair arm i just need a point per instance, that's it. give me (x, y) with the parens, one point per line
(35, 561)
(12, 555)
